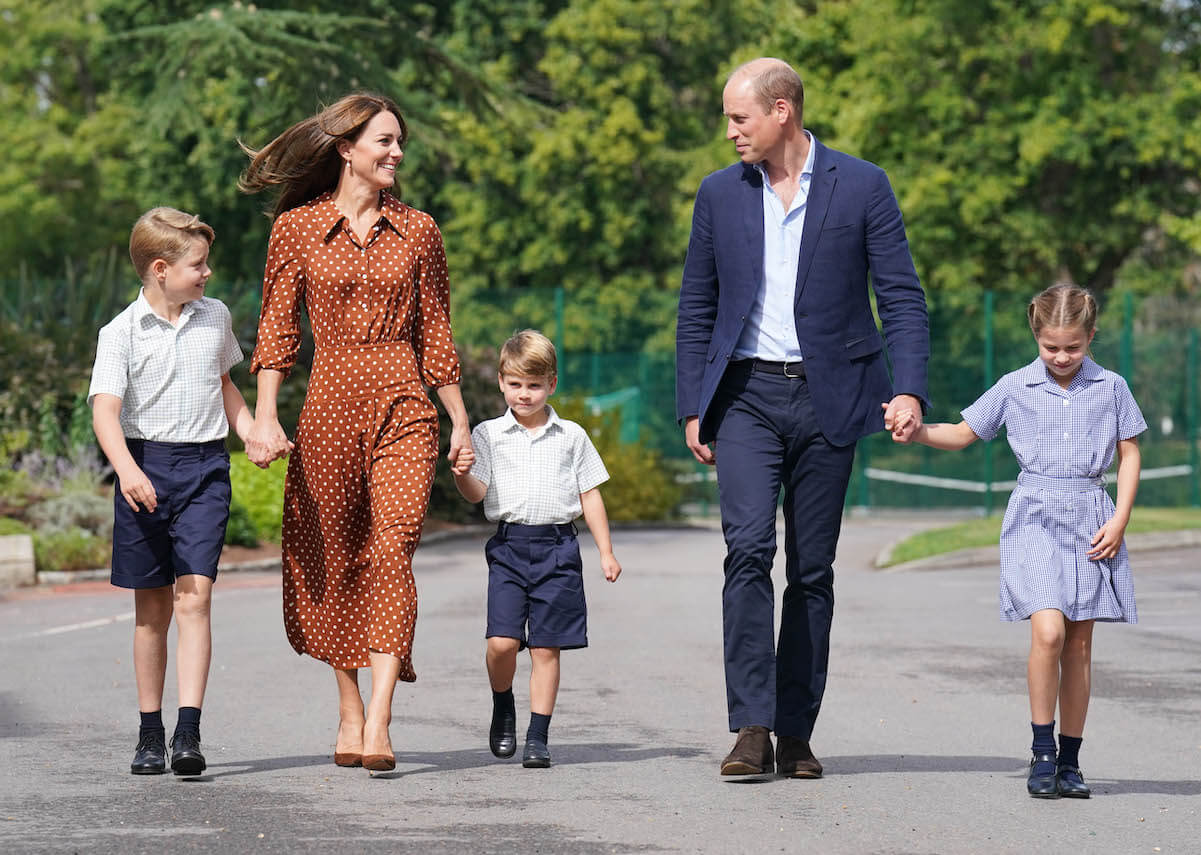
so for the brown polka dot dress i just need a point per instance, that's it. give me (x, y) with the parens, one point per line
(359, 477)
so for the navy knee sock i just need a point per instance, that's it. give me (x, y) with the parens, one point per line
(1044, 743)
(539, 728)
(151, 721)
(189, 721)
(1069, 750)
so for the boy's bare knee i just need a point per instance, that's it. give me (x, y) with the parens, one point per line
(544, 654)
(501, 646)
(193, 597)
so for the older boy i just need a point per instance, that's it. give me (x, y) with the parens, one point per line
(162, 403)
(535, 474)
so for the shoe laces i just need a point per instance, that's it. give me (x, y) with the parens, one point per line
(153, 739)
(185, 740)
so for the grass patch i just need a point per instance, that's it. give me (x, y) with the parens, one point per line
(987, 531)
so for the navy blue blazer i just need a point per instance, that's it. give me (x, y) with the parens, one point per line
(852, 226)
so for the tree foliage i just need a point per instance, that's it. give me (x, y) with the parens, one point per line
(559, 142)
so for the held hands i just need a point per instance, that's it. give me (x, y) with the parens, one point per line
(903, 417)
(461, 454)
(1108, 539)
(267, 442)
(137, 489)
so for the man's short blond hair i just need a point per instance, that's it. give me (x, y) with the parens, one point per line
(771, 80)
(528, 354)
(165, 233)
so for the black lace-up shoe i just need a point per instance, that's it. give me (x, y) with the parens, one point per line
(536, 755)
(186, 758)
(150, 757)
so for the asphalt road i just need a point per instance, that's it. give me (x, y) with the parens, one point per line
(924, 733)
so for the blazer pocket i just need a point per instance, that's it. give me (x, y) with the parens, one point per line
(838, 228)
(857, 348)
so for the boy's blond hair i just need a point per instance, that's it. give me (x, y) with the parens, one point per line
(528, 354)
(165, 233)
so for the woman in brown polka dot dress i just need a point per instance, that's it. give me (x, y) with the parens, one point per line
(371, 273)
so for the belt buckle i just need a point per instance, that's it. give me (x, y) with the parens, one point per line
(793, 376)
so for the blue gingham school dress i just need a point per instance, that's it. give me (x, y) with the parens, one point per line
(1064, 440)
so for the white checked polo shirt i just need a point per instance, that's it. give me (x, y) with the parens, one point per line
(534, 477)
(168, 376)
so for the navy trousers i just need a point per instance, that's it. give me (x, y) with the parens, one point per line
(767, 439)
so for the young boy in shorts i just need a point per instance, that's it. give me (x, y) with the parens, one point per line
(162, 403)
(535, 473)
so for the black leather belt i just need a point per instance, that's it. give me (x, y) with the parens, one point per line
(505, 529)
(788, 369)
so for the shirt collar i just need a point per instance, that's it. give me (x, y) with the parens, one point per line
(509, 422)
(807, 169)
(142, 309)
(393, 213)
(1036, 373)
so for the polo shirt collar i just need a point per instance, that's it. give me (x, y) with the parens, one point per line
(508, 422)
(142, 309)
(393, 213)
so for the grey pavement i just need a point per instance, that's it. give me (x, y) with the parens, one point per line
(924, 732)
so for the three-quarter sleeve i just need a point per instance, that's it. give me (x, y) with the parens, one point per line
(432, 340)
(278, 341)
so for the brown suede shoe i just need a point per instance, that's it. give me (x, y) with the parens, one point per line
(794, 759)
(752, 754)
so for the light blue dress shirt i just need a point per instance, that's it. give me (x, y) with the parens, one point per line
(770, 331)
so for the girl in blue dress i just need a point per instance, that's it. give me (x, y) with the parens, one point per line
(1063, 559)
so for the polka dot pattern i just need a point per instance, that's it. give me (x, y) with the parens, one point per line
(359, 478)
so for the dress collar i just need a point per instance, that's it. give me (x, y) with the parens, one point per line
(393, 213)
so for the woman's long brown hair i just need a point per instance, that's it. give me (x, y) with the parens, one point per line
(304, 159)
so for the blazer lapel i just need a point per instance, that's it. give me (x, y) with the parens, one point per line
(751, 213)
(821, 189)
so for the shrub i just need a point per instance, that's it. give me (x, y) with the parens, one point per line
(74, 549)
(241, 530)
(261, 493)
(89, 512)
(483, 401)
(8, 526)
(640, 486)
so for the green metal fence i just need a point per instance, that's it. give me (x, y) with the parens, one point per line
(1153, 342)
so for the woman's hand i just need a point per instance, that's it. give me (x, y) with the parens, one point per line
(461, 455)
(267, 442)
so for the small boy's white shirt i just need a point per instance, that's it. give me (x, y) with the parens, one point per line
(168, 376)
(534, 477)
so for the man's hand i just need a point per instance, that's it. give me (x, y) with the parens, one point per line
(692, 438)
(902, 428)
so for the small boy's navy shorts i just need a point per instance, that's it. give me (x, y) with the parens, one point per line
(536, 580)
(185, 532)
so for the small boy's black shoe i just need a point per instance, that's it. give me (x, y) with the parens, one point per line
(536, 755)
(1070, 783)
(150, 757)
(186, 758)
(1042, 783)
(502, 736)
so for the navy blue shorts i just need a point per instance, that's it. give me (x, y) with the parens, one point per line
(536, 579)
(185, 532)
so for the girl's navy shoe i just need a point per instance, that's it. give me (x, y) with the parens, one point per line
(1070, 783)
(1042, 782)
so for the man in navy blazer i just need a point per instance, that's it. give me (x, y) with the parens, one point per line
(780, 364)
